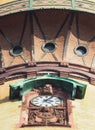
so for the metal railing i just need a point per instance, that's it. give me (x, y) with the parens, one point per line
(22, 5)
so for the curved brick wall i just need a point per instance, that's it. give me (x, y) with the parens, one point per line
(48, 26)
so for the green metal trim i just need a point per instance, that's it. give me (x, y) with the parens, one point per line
(73, 4)
(30, 4)
(76, 89)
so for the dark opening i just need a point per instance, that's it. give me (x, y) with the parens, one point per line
(17, 50)
(81, 50)
(49, 47)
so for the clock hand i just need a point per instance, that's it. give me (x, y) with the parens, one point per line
(48, 98)
(49, 101)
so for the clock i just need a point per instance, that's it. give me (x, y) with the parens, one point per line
(46, 101)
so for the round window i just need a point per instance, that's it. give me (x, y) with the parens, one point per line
(81, 50)
(16, 51)
(49, 47)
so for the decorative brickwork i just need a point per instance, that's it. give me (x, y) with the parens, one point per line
(32, 115)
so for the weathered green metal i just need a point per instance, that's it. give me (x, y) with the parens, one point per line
(31, 3)
(76, 89)
(73, 4)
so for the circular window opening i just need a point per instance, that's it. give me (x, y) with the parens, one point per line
(81, 50)
(49, 47)
(17, 50)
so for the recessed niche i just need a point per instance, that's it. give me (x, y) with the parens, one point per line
(16, 51)
(49, 47)
(81, 50)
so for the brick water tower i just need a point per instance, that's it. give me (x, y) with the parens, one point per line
(46, 43)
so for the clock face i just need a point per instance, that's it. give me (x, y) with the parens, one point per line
(46, 101)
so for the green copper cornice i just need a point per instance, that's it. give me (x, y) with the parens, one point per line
(76, 89)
